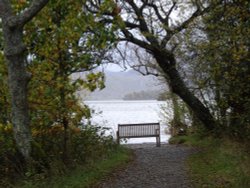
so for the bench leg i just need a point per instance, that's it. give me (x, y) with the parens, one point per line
(117, 138)
(158, 139)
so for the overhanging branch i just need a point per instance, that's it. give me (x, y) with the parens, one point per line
(196, 14)
(28, 14)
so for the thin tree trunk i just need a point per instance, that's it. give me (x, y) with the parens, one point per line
(64, 119)
(4, 110)
(62, 73)
(66, 142)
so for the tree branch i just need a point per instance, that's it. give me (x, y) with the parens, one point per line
(142, 23)
(130, 38)
(156, 12)
(185, 24)
(131, 25)
(145, 66)
(5, 8)
(169, 13)
(196, 14)
(28, 14)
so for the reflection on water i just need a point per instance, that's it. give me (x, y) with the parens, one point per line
(111, 113)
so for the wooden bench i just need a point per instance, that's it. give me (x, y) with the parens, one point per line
(139, 131)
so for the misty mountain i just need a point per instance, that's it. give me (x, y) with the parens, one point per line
(121, 84)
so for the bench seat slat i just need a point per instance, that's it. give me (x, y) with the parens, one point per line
(138, 136)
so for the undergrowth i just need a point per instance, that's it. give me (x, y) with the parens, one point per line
(91, 155)
(86, 175)
(219, 163)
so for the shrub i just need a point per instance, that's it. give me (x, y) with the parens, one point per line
(86, 145)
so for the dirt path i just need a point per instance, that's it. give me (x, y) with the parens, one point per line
(154, 167)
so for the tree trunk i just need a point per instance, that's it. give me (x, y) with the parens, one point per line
(176, 108)
(18, 80)
(65, 122)
(167, 63)
(177, 116)
(66, 142)
(4, 110)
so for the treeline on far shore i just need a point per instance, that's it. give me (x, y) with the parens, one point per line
(146, 95)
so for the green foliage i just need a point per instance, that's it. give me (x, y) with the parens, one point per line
(177, 125)
(230, 61)
(87, 175)
(186, 140)
(87, 146)
(59, 44)
(61, 40)
(219, 163)
(218, 52)
(11, 161)
(4, 95)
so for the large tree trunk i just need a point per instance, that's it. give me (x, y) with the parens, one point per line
(18, 80)
(167, 63)
(14, 51)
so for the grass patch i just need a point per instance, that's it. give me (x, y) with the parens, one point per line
(220, 163)
(193, 140)
(85, 176)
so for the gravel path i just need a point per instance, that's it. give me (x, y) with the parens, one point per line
(153, 167)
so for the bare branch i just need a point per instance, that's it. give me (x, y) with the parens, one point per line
(130, 38)
(145, 71)
(196, 14)
(142, 23)
(169, 13)
(145, 65)
(131, 25)
(145, 3)
(156, 9)
(199, 12)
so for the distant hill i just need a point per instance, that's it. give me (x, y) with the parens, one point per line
(120, 85)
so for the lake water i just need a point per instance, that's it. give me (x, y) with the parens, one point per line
(111, 113)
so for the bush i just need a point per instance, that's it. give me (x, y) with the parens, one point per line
(11, 162)
(86, 145)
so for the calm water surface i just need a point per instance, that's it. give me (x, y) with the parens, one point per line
(111, 113)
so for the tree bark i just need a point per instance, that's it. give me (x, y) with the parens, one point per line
(167, 63)
(176, 119)
(18, 78)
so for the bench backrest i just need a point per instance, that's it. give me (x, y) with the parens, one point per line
(139, 130)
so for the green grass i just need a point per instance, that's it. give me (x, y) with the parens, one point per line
(186, 140)
(85, 176)
(220, 162)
